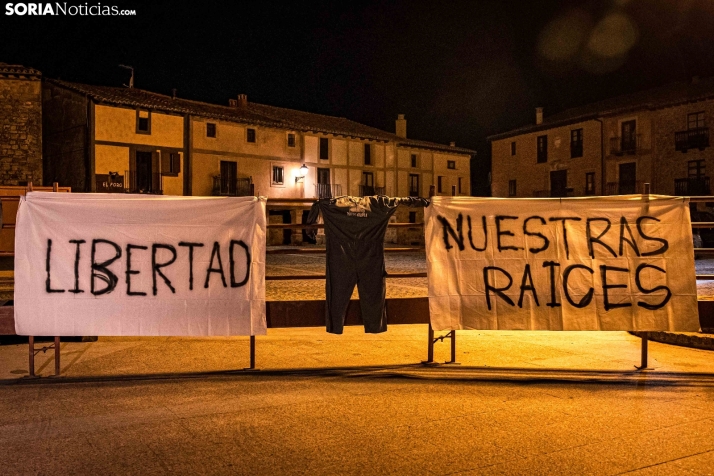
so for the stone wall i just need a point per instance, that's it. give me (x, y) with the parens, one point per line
(65, 125)
(20, 125)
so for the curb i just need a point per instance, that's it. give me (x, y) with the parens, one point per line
(695, 341)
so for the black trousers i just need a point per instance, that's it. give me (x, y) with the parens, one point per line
(360, 263)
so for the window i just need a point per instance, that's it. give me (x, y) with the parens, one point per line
(590, 183)
(368, 179)
(513, 148)
(368, 154)
(696, 169)
(324, 148)
(143, 121)
(278, 173)
(451, 164)
(695, 121)
(210, 129)
(439, 183)
(170, 163)
(412, 217)
(542, 149)
(414, 160)
(460, 192)
(291, 140)
(511, 188)
(250, 135)
(576, 143)
(413, 185)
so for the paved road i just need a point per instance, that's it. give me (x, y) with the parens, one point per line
(520, 403)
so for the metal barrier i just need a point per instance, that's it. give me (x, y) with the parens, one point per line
(399, 311)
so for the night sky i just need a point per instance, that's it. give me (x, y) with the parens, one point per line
(458, 70)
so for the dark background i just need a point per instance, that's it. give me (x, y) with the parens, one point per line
(458, 70)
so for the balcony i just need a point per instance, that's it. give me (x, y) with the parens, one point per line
(693, 186)
(619, 146)
(369, 190)
(227, 187)
(143, 183)
(692, 139)
(623, 188)
(327, 190)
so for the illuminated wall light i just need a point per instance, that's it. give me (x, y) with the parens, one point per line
(301, 174)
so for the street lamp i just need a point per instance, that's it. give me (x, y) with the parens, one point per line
(301, 174)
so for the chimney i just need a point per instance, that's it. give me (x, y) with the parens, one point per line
(401, 126)
(242, 100)
(539, 115)
(452, 144)
(233, 102)
(173, 93)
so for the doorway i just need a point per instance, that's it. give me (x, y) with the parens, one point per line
(229, 174)
(323, 183)
(627, 182)
(143, 179)
(558, 183)
(629, 137)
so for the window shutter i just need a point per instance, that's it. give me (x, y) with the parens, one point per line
(170, 163)
(165, 162)
(176, 163)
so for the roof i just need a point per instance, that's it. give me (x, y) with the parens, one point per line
(251, 113)
(17, 71)
(665, 96)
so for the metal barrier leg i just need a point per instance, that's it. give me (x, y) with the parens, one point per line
(430, 348)
(57, 356)
(252, 352)
(452, 336)
(644, 356)
(31, 347)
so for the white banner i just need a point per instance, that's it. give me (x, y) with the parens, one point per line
(605, 263)
(137, 265)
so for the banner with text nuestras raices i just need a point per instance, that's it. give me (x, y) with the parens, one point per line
(136, 265)
(606, 263)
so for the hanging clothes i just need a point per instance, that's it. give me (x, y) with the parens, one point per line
(355, 229)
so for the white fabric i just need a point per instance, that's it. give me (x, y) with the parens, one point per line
(457, 284)
(216, 310)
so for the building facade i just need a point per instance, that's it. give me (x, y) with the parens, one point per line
(613, 147)
(104, 139)
(20, 125)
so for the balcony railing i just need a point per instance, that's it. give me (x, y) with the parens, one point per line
(143, 183)
(369, 190)
(623, 188)
(620, 146)
(693, 186)
(239, 187)
(413, 192)
(328, 190)
(692, 139)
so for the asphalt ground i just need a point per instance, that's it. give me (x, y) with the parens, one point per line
(519, 403)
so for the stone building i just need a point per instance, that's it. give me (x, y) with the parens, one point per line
(106, 139)
(20, 125)
(659, 136)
